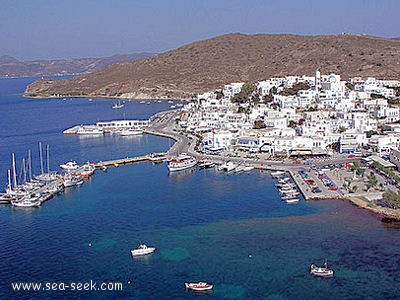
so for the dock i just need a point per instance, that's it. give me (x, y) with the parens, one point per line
(154, 157)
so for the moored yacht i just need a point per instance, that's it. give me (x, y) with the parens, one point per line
(69, 166)
(182, 162)
(131, 131)
(228, 166)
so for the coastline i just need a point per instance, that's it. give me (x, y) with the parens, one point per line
(185, 144)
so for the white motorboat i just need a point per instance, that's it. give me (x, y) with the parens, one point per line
(71, 180)
(199, 286)
(182, 162)
(142, 250)
(206, 164)
(290, 196)
(228, 166)
(321, 271)
(292, 200)
(277, 173)
(27, 202)
(69, 166)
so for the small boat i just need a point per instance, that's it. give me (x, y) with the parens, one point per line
(117, 105)
(277, 173)
(199, 286)
(292, 200)
(321, 271)
(289, 196)
(228, 167)
(69, 166)
(248, 168)
(130, 132)
(284, 180)
(206, 164)
(142, 250)
(27, 202)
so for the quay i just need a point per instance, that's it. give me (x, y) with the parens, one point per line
(154, 157)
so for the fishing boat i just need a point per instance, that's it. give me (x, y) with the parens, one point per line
(182, 162)
(142, 250)
(199, 286)
(321, 271)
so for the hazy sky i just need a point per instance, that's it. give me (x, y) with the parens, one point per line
(56, 29)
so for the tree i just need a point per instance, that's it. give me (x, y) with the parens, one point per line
(244, 94)
(219, 94)
(372, 181)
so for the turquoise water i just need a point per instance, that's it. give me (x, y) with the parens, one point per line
(231, 230)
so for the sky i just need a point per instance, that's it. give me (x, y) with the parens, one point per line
(64, 29)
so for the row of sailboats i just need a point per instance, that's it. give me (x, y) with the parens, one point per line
(31, 191)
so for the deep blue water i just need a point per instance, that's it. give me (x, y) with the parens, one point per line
(232, 230)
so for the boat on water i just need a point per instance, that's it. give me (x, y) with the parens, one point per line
(321, 271)
(182, 162)
(131, 132)
(277, 173)
(206, 164)
(284, 180)
(290, 196)
(292, 200)
(72, 179)
(27, 202)
(69, 166)
(117, 105)
(199, 286)
(228, 167)
(89, 130)
(142, 250)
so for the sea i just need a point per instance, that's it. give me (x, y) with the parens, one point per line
(231, 230)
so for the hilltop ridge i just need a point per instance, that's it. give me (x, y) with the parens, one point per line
(209, 64)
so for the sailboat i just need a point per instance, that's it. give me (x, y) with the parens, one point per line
(118, 105)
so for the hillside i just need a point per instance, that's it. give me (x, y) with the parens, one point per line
(11, 67)
(209, 64)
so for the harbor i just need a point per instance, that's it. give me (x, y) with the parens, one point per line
(310, 183)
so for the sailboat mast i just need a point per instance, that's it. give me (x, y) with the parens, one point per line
(14, 172)
(24, 169)
(48, 158)
(9, 179)
(41, 157)
(29, 165)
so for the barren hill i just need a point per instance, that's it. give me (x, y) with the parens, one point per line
(209, 64)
